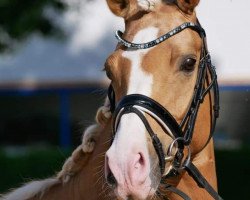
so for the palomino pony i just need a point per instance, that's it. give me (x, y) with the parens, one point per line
(152, 139)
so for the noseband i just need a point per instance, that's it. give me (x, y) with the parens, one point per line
(182, 133)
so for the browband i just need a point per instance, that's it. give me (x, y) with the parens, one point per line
(161, 39)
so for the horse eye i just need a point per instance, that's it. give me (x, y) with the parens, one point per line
(188, 65)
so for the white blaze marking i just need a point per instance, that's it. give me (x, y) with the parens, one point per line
(140, 82)
(131, 131)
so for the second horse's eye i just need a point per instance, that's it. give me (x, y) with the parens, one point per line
(188, 65)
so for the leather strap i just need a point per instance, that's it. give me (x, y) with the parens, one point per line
(173, 189)
(178, 192)
(200, 180)
(178, 29)
(153, 106)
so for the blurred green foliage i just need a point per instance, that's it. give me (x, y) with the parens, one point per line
(25, 166)
(19, 19)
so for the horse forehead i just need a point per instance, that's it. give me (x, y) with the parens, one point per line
(145, 34)
(142, 36)
(139, 80)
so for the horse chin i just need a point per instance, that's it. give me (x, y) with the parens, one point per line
(144, 191)
(137, 193)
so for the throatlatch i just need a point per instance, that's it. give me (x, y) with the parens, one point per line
(182, 133)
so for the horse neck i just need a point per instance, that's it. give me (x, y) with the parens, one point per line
(203, 155)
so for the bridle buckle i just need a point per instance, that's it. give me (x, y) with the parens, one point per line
(176, 153)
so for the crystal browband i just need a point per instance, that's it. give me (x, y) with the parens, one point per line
(159, 40)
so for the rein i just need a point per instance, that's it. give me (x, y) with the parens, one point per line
(182, 133)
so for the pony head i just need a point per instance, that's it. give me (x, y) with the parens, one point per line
(167, 73)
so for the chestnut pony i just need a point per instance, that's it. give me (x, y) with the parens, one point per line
(153, 135)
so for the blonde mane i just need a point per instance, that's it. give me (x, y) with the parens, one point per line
(31, 189)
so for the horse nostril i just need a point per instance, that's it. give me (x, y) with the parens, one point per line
(111, 179)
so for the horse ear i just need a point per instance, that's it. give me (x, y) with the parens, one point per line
(118, 7)
(187, 6)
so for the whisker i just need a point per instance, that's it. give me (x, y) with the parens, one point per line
(105, 188)
(101, 177)
(99, 172)
(98, 156)
(111, 196)
(108, 141)
(99, 166)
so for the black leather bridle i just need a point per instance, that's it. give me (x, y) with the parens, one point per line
(182, 133)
